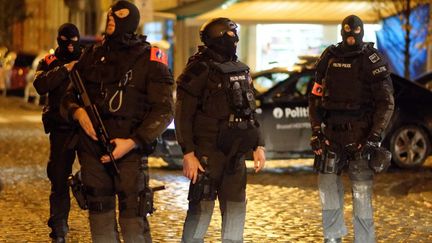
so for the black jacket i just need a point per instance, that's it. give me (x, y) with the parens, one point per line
(146, 103)
(193, 126)
(375, 74)
(52, 79)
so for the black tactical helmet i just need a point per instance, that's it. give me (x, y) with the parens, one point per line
(216, 28)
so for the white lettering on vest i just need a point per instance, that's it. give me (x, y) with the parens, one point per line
(237, 78)
(379, 70)
(342, 65)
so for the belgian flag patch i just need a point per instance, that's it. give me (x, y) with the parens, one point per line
(158, 55)
(50, 58)
(317, 89)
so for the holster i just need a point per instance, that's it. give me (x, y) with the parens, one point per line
(78, 190)
(145, 202)
(328, 162)
(47, 120)
(205, 187)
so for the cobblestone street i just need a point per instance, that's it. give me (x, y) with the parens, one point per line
(283, 204)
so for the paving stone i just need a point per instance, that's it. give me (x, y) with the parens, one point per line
(283, 204)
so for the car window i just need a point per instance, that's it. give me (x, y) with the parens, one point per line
(268, 80)
(297, 89)
(303, 84)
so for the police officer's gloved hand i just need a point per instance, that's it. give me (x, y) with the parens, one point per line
(317, 139)
(373, 140)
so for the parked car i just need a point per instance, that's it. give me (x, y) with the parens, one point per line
(20, 69)
(284, 118)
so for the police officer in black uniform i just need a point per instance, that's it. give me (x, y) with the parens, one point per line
(352, 99)
(131, 85)
(216, 127)
(52, 79)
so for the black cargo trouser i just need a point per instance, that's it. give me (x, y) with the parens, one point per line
(58, 169)
(102, 189)
(332, 192)
(230, 184)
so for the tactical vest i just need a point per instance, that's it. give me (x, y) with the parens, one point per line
(123, 100)
(343, 85)
(229, 91)
(119, 100)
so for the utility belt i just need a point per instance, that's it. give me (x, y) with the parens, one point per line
(347, 125)
(236, 137)
(331, 162)
(328, 162)
(81, 193)
(241, 123)
(334, 158)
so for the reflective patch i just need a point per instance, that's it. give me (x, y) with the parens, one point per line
(379, 70)
(317, 89)
(158, 55)
(237, 77)
(341, 65)
(374, 58)
(50, 58)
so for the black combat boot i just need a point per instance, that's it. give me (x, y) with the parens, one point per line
(333, 240)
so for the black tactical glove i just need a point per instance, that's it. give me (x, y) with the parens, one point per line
(316, 140)
(373, 140)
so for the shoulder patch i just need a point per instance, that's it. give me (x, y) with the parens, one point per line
(158, 55)
(379, 70)
(317, 89)
(50, 58)
(374, 58)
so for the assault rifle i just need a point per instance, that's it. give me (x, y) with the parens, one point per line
(95, 118)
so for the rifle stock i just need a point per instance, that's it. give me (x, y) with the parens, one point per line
(94, 116)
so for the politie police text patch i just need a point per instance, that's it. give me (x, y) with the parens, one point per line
(379, 70)
(374, 58)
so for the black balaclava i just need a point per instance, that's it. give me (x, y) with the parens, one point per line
(69, 31)
(124, 26)
(220, 35)
(354, 23)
